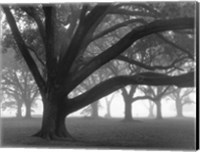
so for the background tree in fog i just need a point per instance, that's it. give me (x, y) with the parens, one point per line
(155, 94)
(17, 84)
(65, 32)
(180, 97)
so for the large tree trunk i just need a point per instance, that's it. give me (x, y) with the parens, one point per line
(53, 122)
(179, 108)
(159, 111)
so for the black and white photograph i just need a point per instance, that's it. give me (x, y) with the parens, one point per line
(117, 75)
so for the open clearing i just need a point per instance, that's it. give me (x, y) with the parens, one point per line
(177, 134)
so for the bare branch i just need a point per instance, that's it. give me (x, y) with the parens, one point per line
(131, 61)
(37, 56)
(142, 98)
(176, 46)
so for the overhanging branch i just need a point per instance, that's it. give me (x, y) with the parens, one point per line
(127, 40)
(142, 65)
(113, 84)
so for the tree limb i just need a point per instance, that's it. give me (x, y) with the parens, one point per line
(127, 40)
(50, 21)
(82, 31)
(113, 84)
(23, 49)
(130, 13)
(37, 56)
(32, 13)
(142, 98)
(131, 61)
(113, 28)
(176, 46)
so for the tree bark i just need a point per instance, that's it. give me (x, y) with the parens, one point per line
(159, 112)
(53, 122)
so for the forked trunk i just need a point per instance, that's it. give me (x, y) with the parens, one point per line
(128, 106)
(53, 122)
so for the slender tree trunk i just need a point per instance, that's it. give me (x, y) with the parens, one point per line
(179, 108)
(159, 112)
(53, 122)
(108, 114)
(151, 107)
(19, 109)
(94, 110)
(28, 109)
(128, 111)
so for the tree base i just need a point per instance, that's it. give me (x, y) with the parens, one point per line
(61, 136)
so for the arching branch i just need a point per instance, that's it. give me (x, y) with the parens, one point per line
(127, 40)
(142, 65)
(113, 84)
(115, 27)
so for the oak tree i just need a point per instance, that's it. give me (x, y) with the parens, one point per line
(65, 32)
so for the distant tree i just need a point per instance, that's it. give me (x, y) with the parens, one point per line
(150, 106)
(155, 94)
(108, 101)
(180, 96)
(18, 84)
(65, 32)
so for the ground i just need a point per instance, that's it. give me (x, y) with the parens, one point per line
(172, 134)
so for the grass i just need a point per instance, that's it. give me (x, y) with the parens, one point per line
(167, 134)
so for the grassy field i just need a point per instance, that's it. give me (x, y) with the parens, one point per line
(167, 134)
